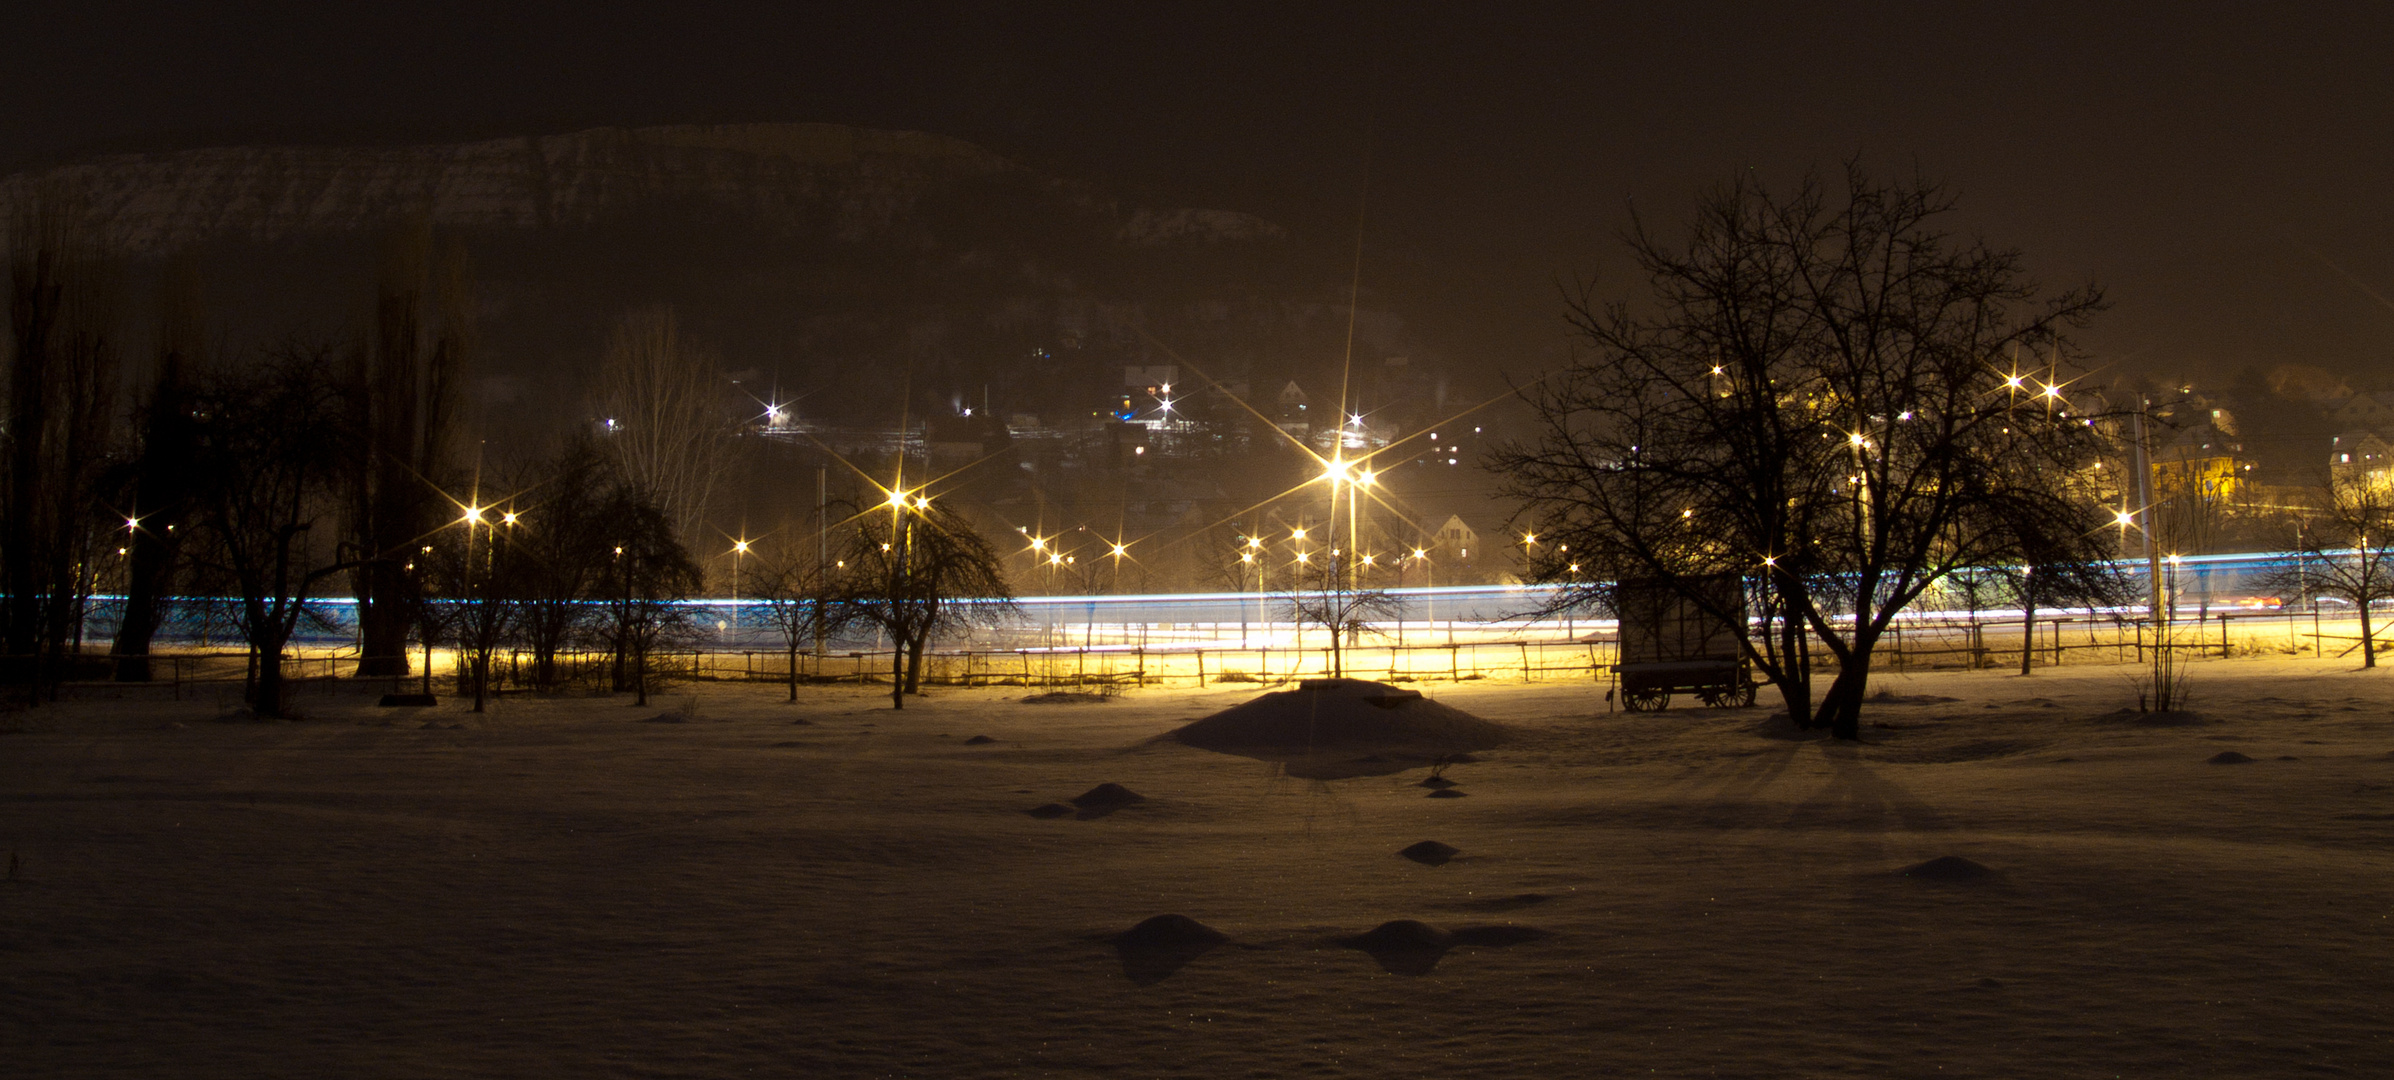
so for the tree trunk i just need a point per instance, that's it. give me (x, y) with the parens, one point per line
(1841, 708)
(1797, 695)
(897, 670)
(617, 675)
(2028, 629)
(2368, 639)
(914, 663)
(267, 699)
(793, 669)
(149, 579)
(382, 624)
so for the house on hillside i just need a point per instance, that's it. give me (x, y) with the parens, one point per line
(1292, 410)
(2368, 410)
(2358, 456)
(2204, 460)
(1455, 540)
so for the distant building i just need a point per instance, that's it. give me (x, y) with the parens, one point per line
(1293, 410)
(2369, 410)
(2360, 456)
(1455, 539)
(2202, 459)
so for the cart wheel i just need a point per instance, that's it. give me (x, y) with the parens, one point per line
(1745, 696)
(1646, 700)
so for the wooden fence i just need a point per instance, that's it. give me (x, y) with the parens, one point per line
(1913, 644)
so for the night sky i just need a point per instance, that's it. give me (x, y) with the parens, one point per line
(2213, 165)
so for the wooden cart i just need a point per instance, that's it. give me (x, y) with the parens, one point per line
(1672, 644)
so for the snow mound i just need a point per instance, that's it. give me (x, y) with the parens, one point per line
(1170, 932)
(1066, 697)
(1342, 712)
(1154, 949)
(2228, 757)
(1431, 853)
(1107, 796)
(1948, 868)
(1400, 934)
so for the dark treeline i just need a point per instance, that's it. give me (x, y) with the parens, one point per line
(261, 478)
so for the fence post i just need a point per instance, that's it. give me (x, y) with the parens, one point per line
(1201, 669)
(1526, 675)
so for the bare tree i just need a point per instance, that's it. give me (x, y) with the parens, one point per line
(915, 569)
(407, 407)
(649, 573)
(2343, 552)
(272, 439)
(562, 546)
(660, 401)
(1821, 396)
(157, 492)
(1324, 590)
(787, 576)
(61, 378)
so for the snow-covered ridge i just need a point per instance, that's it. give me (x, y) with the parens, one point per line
(845, 181)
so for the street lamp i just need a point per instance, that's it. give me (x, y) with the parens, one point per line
(738, 551)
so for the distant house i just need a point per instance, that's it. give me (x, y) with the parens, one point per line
(1292, 410)
(2369, 410)
(2202, 459)
(1455, 539)
(2360, 455)
(963, 440)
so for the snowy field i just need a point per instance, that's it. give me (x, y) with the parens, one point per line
(575, 887)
